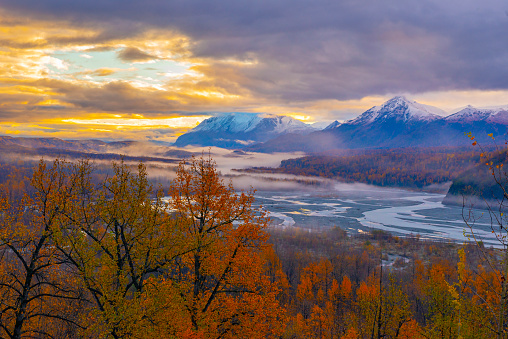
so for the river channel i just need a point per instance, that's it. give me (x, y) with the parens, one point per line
(360, 208)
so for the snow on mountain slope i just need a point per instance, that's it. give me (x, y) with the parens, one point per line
(246, 122)
(285, 124)
(399, 122)
(237, 130)
(331, 126)
(232, 122)
(469, 114)
(399, 108)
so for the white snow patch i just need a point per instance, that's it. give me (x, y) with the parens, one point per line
(469, 114)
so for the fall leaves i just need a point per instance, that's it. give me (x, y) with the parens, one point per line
(111, 257)
(135, 265)
(221, 278)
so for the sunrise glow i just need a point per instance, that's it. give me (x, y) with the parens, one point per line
(179, 122)
(58, 75)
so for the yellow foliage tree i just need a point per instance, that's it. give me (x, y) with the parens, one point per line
(118, 238)
(38, 297)
(195, 266)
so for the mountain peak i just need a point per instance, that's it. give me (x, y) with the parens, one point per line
(232, 122)
(236, 122)
(399, 99)
(471, 114)
(399, 108)
(333, 125)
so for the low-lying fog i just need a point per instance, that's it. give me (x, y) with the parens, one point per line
(316, 203)
(227, 161)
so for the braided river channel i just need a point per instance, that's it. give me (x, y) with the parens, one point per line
(360, 208)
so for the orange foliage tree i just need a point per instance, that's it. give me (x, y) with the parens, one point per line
(113, 258)
(490, 289)
(222, 286)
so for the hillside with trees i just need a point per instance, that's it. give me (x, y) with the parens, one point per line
(107, 259)
(413, 168)
(481, 185)
(85, 256)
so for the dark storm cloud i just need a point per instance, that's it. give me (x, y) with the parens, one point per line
(308, 50)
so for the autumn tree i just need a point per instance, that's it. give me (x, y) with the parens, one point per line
(383, 311)
(222, 287)
(495, 215)
(318, 301)
(37, 295)
(117, 236)
(111, 258)
(474, 301)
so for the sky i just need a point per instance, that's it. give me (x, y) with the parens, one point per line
(150, 70)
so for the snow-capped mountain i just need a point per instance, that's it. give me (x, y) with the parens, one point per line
(233, 122)
(246, 122)
(391, 123)
(399, 122)
(237, 130)
(499, 117)
(471, 114)
(401, 109)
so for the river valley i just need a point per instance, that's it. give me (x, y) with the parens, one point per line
(359, 208)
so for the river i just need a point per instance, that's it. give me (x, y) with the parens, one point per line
(359, 208)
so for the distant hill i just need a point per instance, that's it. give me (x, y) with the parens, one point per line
(14, 149)
(238, 130)
(477, 186)
(399, 122)
(15, 152)
(88, 145)
(431, 169)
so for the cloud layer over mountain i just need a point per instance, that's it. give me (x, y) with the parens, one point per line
(320, 49)
(322, 60)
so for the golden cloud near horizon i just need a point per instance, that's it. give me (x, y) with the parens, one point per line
(140, 122)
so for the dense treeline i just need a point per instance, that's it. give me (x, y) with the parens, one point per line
(9, 152)
(411, 167)
(16, 176)
(337, 287)
(15, 179)
(107, 256)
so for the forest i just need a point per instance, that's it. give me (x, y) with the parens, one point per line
(87, 253)
(413, 168)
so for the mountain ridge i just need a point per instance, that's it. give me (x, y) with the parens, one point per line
(237, 130)
(398, 122)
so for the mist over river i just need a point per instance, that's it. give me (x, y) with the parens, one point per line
(315, 203)
(359, 208)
